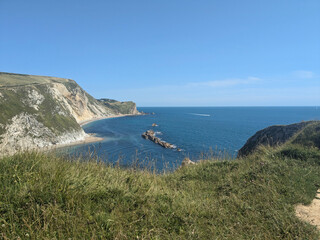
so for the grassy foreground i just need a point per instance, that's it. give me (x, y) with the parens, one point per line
(43, 196)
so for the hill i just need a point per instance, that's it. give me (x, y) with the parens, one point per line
(13, 79)
(39, 111)
(43, 196)
(119, 107)
(304, 133)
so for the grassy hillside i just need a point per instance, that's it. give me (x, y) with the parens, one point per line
(277, 135)
(13, 79)
(310, 136)
(12, 82)
(119, 107)
(15, 90)
(47, 197)
(47, 112)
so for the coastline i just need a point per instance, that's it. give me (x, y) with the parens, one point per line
(90, 137)
(84, 122)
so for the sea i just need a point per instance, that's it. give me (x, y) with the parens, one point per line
(197, 133)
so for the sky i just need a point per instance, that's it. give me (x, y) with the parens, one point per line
(170, 52)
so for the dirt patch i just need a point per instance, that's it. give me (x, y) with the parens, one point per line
(310, 213)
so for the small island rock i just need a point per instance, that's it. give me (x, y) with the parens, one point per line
(150, 135)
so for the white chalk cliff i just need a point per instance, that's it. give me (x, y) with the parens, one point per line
(39, 111)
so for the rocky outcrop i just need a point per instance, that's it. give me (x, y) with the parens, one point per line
(25, 132)
(39, 111)
(272, 136)
(150, 135)
(80, 104)
(186, 162)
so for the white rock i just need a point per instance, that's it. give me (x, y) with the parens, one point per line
(34, 99)
(25, 133)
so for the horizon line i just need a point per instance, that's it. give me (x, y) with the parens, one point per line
(241, 106)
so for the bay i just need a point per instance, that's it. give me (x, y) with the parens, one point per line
(199, 131)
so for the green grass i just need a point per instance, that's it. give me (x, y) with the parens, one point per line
(57, 123)
(12, 102)
(14, 91)
(119, 107)
(12, 105)
(309, 136)
(13, 79)
(43, 196)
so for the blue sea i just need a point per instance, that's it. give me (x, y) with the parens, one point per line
(197, 131)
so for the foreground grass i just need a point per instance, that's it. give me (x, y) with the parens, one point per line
(47, 197)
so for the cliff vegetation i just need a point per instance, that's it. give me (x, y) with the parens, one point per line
(39, 111)
(303, 133)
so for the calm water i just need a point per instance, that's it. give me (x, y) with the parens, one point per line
(196, 130)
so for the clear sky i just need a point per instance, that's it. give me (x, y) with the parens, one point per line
(170, 52)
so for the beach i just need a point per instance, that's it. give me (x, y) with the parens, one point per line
(90, 137)
(82, 123)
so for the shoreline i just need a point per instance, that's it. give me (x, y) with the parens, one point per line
(90, 137)
(85, 122)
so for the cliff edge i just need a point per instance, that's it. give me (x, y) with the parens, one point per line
(41, 111)
(304, 133)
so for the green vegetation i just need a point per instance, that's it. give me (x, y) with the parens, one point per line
(47, 196)
(13, 79)
(48, 115)
(309, 136)
(119, 107)
(14, 105)
(43, 196)
(14, 100)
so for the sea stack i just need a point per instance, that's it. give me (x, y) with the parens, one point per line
(150, 135)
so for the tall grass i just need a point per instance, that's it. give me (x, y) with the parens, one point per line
(44, 196)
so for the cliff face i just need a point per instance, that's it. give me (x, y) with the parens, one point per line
(38, 111)
(305, 133)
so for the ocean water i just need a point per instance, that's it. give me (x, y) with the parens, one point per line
(195, 130)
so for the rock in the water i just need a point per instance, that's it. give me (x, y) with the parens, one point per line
(150, 135)
(154, 125)
(186, 161)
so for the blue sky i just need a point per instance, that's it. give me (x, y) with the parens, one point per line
(170, 52)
